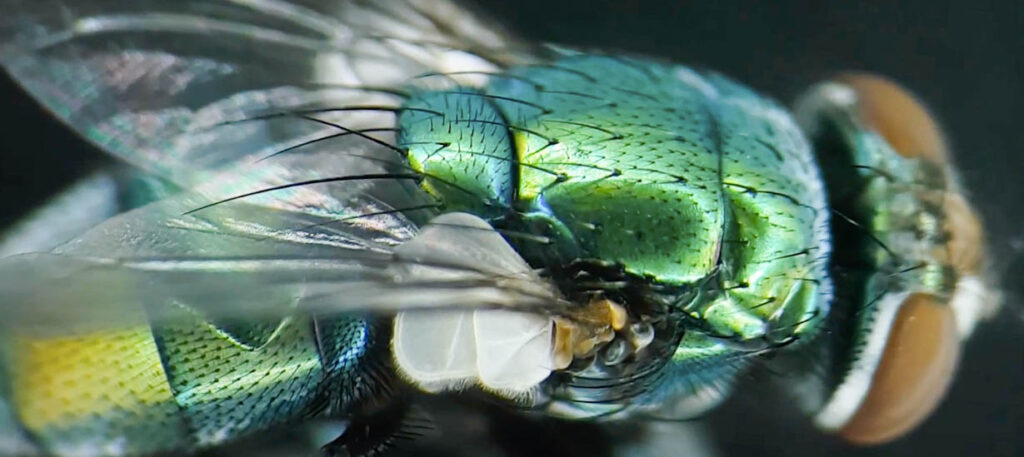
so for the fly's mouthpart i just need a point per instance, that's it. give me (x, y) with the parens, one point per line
(601, 330)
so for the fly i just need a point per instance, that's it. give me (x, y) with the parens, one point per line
(364, 213)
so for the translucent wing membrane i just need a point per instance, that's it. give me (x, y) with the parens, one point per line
(146, 80)
(148, 264)
(277, 118)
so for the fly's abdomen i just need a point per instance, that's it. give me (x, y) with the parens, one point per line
(179, 386)
(98, 393)
(232, 379)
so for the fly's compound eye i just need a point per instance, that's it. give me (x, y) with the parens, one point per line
(913, 373)
(898, 117)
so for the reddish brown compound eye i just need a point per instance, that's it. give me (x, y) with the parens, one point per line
(913, 374)
(898, 117)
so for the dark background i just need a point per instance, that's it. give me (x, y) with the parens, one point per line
(963, 58)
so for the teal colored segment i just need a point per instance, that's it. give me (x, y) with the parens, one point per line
(228, 385)
(355, 354)
(700, 374)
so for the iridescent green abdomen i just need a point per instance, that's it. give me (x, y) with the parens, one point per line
(186, 385)
(682, 180)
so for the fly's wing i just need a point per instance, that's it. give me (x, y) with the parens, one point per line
(288, 104)
(276, 119)
(243, 260)
(262, 256)
(186, 90)
(159, 83)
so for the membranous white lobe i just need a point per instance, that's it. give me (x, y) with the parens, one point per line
(437, 351)
(504, 351)
(513, 349)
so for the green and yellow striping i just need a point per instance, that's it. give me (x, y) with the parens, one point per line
(101, 391)
(172, 387)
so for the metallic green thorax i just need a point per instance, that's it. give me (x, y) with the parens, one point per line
(679, 177)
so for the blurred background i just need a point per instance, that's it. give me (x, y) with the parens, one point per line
(964, 59)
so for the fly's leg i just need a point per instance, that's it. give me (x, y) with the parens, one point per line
(375, 431)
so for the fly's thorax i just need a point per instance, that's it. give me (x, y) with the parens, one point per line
(676, 178)
(909, 261)
(461, 144)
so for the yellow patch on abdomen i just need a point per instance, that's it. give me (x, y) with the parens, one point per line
(58, 381)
